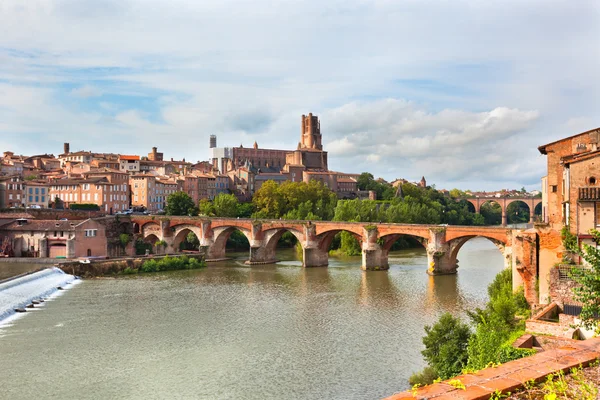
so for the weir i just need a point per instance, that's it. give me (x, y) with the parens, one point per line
(21, 291)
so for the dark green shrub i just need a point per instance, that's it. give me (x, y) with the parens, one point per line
(425, 377)
(446, 346)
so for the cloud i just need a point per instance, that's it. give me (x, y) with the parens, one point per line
(86, 91)
(462, 92)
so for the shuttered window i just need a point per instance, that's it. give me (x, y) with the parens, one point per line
(597, 213)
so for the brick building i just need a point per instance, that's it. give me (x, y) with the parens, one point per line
(571, 189)
(570, 197)
(12, 190)
(110, 197)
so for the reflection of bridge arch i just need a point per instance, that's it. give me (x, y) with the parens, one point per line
(531, 202)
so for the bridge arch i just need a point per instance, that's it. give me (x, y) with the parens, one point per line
(217, 249)
(151, 228)
(272, 236)
(181, 237)
(326, 238)
(457, 243)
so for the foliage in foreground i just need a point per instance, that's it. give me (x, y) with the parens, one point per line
(497, 325)
(451, 347)
(425, 377)
(446, 346)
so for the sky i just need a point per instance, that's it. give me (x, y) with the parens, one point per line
(461, 92)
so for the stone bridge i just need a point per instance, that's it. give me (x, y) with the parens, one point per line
(531, 202)
(442, 242)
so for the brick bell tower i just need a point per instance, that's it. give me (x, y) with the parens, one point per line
(310, 137)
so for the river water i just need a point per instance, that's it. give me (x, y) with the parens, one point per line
(234, 332)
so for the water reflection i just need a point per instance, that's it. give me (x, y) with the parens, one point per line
(232, 331)
(377, 289)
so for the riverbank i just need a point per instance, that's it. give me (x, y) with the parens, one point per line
(98, 268)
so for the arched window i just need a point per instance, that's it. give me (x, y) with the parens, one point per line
(592, 180)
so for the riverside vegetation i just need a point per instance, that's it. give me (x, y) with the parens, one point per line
(453, 347)
(167, 264)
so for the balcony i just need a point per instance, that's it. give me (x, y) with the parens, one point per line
(589, 194)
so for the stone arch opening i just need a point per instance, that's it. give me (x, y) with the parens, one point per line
(457, 243)
(283, 238)
(186, 240)
(518, 212)
(136, 228)
(469, 204)
(491, 210)
(401, 241)
(341, 241)
(229, 238)
(151, 238)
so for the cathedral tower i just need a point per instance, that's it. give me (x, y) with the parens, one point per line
(310, 137)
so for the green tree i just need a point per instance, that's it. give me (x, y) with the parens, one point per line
(180, 203)
(588, 291)
(245, 210)
(457, 194)
(205, 207)
(225, 205)
(268, 201)
(446, 346)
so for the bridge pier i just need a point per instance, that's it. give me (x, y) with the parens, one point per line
(441, 262)
(314, 257)
(440, 256)
(374, 258)
(260, 254)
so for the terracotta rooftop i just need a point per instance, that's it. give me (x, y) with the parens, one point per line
(131, 158)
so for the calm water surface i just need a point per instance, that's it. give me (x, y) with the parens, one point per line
(234, 332)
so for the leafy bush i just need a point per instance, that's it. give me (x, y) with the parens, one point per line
(129, 271)
(141, 247)
(172, 264)
(508, 353)
(425, 377)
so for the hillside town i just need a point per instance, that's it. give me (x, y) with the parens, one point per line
(117, 182)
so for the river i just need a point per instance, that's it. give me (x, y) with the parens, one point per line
(235, 332)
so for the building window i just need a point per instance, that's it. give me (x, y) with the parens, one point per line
(90, 232)
(592, 180)
(554, 188)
